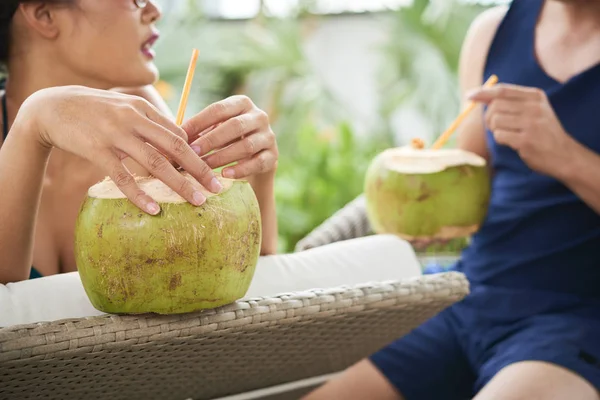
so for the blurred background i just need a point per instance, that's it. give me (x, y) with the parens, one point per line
(341, 80)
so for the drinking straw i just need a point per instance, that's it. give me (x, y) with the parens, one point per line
(186, 87)
(444, 137)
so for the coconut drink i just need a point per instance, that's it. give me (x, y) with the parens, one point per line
(184, 259)
(429, 197)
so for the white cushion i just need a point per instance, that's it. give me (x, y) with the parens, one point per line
(349, 263)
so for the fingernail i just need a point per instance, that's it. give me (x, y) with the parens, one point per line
(215, 186)
(198, 198)
(197, 149)
(471, 94)
(153, 208)
(228, 173)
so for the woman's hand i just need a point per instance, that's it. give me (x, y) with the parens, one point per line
(235, 131)
(231, 131)
(106, 127)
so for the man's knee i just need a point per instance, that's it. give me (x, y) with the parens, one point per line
(533, 380)
(359, 382)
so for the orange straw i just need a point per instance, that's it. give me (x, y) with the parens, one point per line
(441, 141)
(186, 88)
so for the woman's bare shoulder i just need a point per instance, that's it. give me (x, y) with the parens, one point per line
(149, 93)
(2, 92)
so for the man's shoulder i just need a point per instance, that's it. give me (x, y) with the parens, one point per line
(477, 43)
(475, 49)
(491, 16)
(484, 26)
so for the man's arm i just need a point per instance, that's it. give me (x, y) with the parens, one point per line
(582, 174)
(471, 133)
(523, 119)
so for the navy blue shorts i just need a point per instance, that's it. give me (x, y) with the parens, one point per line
(456, 353)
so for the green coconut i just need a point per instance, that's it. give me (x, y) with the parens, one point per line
(427, 196)
(185, 259)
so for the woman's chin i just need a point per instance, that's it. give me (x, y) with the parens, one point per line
(147, 75)
(152, 74)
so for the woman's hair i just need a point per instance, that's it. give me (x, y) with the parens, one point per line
(7, 11)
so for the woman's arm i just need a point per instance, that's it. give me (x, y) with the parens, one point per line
(23, 161)
(150, 94)
(100, 126)
(263, 184)
(264, 187)
(236, 131)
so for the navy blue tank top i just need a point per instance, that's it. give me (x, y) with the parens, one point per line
(34, 273)
(538, 234)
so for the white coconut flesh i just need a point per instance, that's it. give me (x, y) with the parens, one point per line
(407, 160)
(155, 188)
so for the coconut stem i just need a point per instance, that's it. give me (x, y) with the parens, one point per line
(417, 143)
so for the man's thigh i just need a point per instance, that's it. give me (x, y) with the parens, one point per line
(428, 363)
(361, 381)
(533, 380)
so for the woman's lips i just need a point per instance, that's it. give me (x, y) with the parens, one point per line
(147, 47)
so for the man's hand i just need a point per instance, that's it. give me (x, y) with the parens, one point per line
(523, 119)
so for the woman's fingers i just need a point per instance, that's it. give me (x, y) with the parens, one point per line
(240, 150)
(217, 113)
(228, 132)
(260, 163)
(158, 165)
(127, 184)
(154, 115)
(177, 149)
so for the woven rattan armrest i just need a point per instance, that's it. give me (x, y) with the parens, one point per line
(348, 223)
(248, 345)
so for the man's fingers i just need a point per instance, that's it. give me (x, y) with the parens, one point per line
(504, 106)
(504, 114)
(240, 150)
(217, 113)
(228, 132)
(505, 91)
(507, 138)
(127, 184)
(507, 122)
(259, 163)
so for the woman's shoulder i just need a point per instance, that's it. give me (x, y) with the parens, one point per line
(2, 118)
(149, 93)
(2, 108)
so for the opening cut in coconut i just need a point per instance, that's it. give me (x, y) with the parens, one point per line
(154, 187)
(408, 160)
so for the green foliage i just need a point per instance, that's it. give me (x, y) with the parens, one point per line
(422, 59)
(324, 173)
(322, 160)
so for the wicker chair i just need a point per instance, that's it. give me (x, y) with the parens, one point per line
(274, 347)
(351, 222)
(348, 223)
